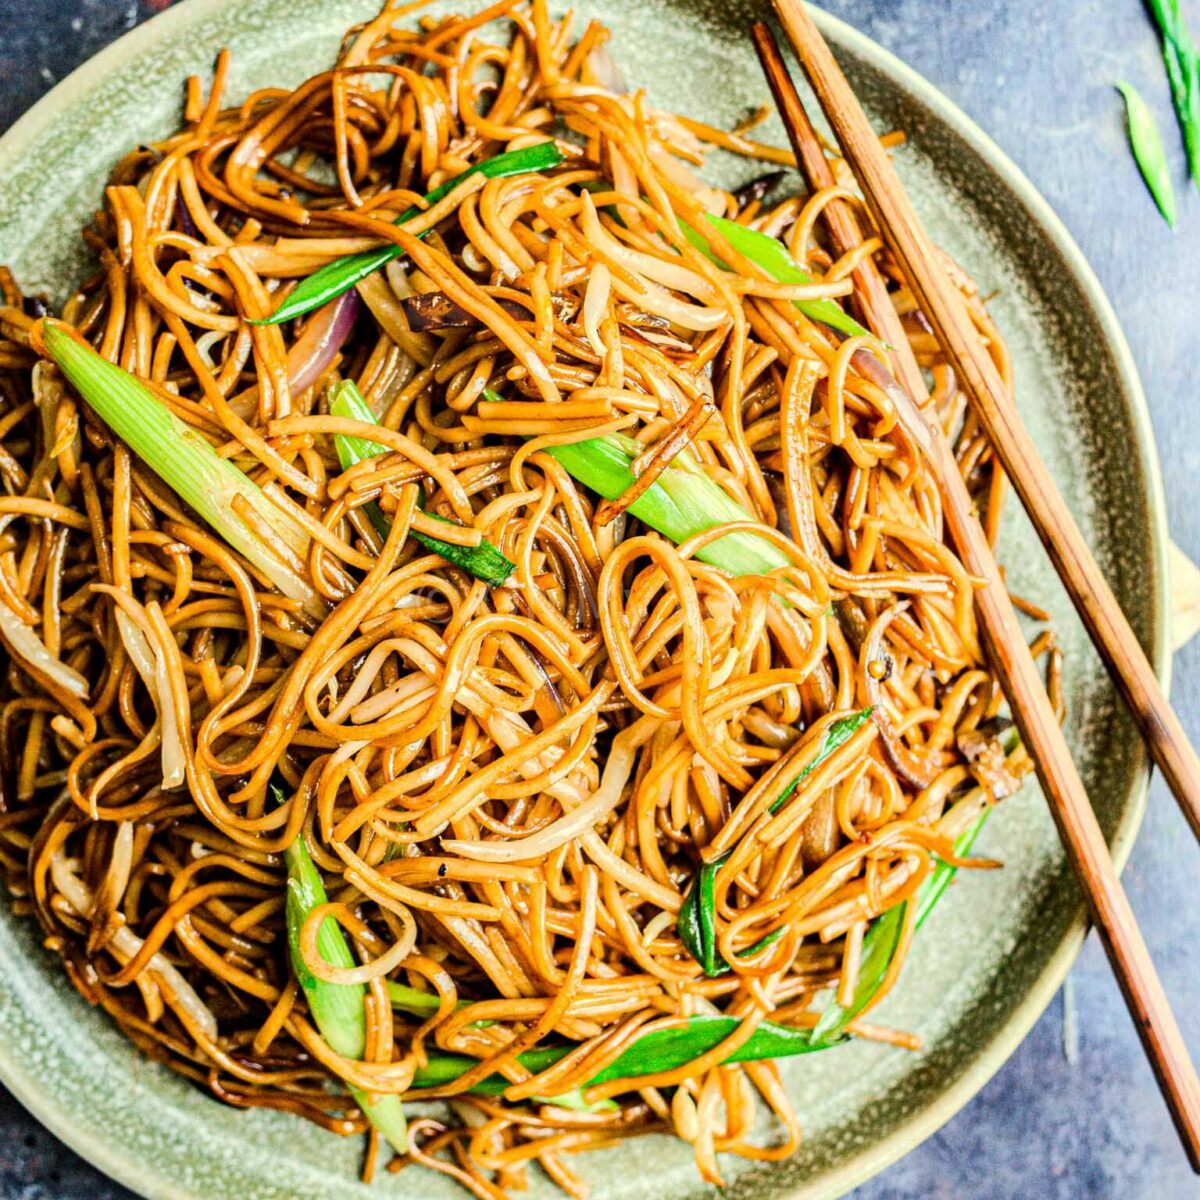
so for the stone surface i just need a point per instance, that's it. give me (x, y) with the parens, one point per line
(1074, 1115)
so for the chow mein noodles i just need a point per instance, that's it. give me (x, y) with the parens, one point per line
(476, 629)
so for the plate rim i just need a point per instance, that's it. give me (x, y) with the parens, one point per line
(139, 1175)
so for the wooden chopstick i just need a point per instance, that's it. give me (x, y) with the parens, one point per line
(1115, 641)
(1003, 638)
(870, 288)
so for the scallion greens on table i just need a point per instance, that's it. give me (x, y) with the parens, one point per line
(1183, 74)
(1148, 149)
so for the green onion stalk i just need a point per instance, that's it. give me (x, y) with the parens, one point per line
(880, 942)
(338, 1009)
(764, 251)
(697, 921)
(681, 503)
(771, 255)
(211, 485)
(483, 561)
(1148, 150)
(343, 273)
(1182, 63)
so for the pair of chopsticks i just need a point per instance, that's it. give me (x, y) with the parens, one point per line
(1082, 837)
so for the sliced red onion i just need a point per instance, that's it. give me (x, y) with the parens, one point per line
(185, 220)
(323, 336)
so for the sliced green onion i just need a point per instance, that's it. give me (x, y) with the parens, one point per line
(412, 1000)
(697, 920)
(670, 1049)
(838, 734)
(425, 1004)
(1148, 150)
(761, 249)
(182, 458)
(483, 561)
(343, 273)
(681, 503)
(879, 946)
(771, 254)
(1182, 64)
(337, 1008)
(661, 1050)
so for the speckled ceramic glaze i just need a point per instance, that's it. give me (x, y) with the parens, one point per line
(991, 957)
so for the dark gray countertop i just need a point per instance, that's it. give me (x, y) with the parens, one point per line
(1037, 75)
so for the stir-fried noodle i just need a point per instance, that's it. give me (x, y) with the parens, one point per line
(780, 725)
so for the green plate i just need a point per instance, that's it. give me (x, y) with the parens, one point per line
(993, 954)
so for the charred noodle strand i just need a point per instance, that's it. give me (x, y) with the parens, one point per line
(560, 817)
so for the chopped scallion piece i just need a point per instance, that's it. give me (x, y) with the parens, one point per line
(771, 254)
(681, 503)
(425, 1004)
(761, 249)
(1182, 63)
(879, 946)
(343, 273)
(337, 1008)
(697, 920)
(182, 458)
(483, 561)
(1148, 150)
